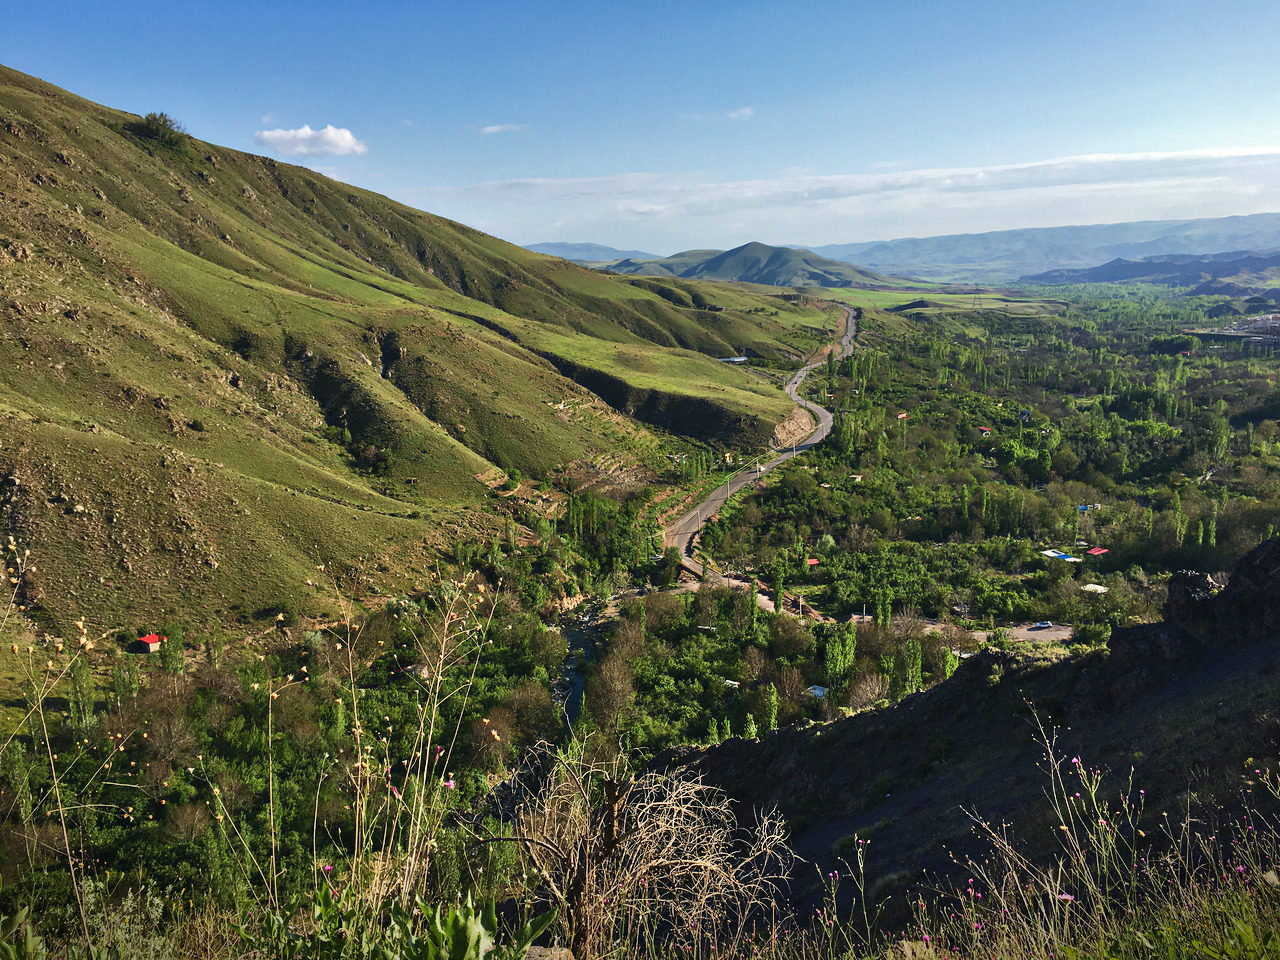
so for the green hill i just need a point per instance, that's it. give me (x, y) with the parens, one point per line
(220, 371)
(1238, 273)
(1006, 254)
(755, 263)
(589, 252)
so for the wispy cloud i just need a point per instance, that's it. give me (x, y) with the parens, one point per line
(502, 128)
(742, 113)
(671, 210)
(329, 141)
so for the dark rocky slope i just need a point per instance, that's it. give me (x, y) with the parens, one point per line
(1183, 703)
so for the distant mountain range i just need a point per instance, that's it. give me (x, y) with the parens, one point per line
(754, 263)
(1007, 254)
(1239, 273)
(997, 255)
(589, 252)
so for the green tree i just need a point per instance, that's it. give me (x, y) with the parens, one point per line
(171, 659)
(838, 652)
(80, 703)
(161, 128)
(770, 707)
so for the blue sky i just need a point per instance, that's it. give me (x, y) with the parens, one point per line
(669, 125)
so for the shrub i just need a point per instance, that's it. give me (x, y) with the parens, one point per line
(161, 128)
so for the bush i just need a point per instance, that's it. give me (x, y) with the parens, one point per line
(161, 128)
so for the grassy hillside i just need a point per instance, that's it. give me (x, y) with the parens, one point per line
(755, 263)
(220, 371)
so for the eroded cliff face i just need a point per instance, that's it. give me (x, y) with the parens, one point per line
(1181, 703)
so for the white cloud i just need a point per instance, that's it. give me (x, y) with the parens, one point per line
(742, 113)
(330, 141)
(670, 211)
(501, 128)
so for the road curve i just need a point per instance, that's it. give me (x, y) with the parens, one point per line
(680, 534)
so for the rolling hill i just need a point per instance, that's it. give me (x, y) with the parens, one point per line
(755, 263)
(1007, 254)
(1238, 273)
(219, 371)
(588, 252)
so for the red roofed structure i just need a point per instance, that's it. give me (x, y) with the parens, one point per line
(151, 642)
(1097, 551)
(813, 561)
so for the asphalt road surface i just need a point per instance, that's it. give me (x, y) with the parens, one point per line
(681, 533)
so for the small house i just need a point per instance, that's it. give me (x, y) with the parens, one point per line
(812, 561)
(1097, 551)
(151, 642)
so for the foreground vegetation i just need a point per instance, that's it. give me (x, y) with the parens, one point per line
(351, 797)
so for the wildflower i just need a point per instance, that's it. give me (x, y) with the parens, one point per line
(1066, 896)
(327, 868)
(449, 784)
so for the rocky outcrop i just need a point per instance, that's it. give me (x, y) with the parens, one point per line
(1180, 702)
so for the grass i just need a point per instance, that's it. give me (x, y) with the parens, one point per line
(191, 327)
(988, 300)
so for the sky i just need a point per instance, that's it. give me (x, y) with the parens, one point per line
(664, 126)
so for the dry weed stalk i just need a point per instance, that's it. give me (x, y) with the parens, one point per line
(1106, 870)
(629, 863)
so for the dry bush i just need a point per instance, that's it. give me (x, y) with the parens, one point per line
(867, 689)
(631, 861)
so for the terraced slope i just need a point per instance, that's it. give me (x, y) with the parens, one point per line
(218, 372)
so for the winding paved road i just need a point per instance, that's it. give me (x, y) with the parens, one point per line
(681, 533)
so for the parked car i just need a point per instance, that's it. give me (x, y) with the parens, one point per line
(1042, 625)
